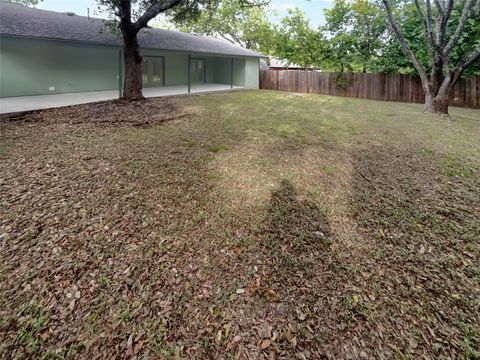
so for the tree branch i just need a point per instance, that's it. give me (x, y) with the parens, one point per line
(461, 24)
(426, 29)
(224, 37)
(469, 59)
(448, 9)
(403, 43)
(153, 10)
(440, 8)
(444, 14)
(429, 21)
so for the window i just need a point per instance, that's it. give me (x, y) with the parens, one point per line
(153, 71)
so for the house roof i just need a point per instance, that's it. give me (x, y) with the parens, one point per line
(280, 63)
(18, 20)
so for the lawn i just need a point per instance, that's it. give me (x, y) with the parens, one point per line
(248, 224)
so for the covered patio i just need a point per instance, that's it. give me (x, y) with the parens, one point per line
(37, 102)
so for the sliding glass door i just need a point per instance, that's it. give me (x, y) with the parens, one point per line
(198, 71)
(153, 74)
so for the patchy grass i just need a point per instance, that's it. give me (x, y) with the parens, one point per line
(247, 224)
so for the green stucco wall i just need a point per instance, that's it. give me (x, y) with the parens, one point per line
(252, 73)
(31, 67)
(34, 67)
(239, 72)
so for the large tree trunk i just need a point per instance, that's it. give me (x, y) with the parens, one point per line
(437, 92)
(437, 95)
(132, 87)
(440, 105)
(436, 104)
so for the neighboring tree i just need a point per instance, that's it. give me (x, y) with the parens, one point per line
(337, 30)
(447, 56)
(367, 32)
(355, 31)
(297, 42)
(133, 16)
(246, 26)
(391, 58)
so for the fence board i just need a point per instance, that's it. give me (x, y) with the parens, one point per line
(387, 87)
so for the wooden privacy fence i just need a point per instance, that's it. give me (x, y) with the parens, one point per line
(388, 87)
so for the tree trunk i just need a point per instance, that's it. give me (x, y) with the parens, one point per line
(437, 104)
(428, 107)
(440, 105)
(132, 87)
(437, 94)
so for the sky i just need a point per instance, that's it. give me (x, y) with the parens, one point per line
(313, 9)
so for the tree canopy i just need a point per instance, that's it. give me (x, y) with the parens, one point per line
(355, 36)
(234, 21)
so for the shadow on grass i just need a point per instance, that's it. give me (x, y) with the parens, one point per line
(297, 243)
(296, 223)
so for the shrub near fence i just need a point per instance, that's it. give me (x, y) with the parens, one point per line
(387, 87)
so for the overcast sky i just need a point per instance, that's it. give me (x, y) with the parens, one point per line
(313, 9)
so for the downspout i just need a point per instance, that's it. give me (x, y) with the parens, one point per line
(231, 73)
(189, 57)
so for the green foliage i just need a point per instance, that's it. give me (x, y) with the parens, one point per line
(355, 31)
(354, 38)
(359, 39)
(392, 59)
(246, 26)
(297, 42)
(343, 80)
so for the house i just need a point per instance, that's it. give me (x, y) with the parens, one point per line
(279, 64)
(45, 52)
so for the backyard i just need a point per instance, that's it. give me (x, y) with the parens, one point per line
(248, 224)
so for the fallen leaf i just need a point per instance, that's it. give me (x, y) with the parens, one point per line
(228, 330)
(236, 339)
(218, 337)
(130, 345)
(301, 315)
(45, 335)
(138, 347)
(290, 336)
(265, 343)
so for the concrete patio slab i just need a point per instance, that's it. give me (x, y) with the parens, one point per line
(27, 103)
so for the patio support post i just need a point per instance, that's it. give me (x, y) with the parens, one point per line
(120, 80)
(189, 59)
(231, 74)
